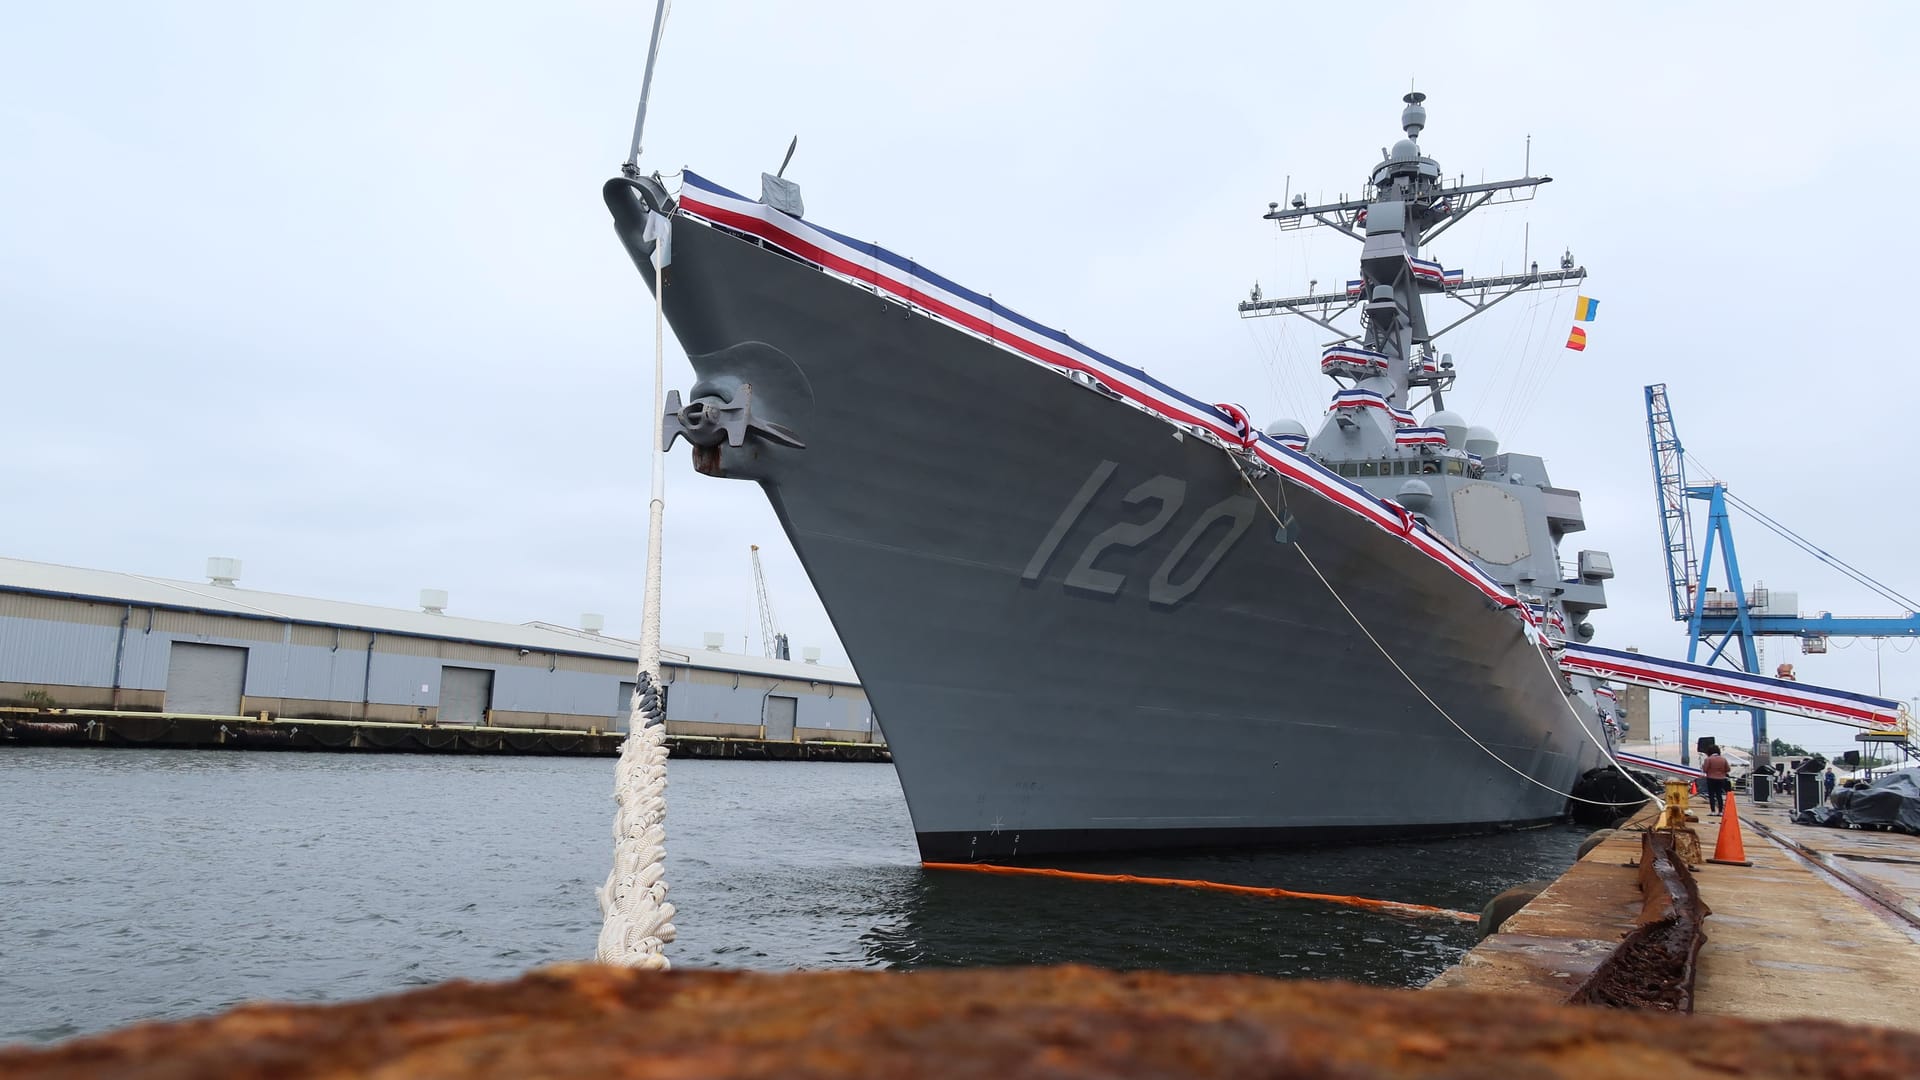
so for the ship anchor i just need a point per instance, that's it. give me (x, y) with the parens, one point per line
(711, 421)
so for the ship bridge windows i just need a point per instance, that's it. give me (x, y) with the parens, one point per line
(1370, 469)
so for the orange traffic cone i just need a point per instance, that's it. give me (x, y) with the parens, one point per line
(1729, 850)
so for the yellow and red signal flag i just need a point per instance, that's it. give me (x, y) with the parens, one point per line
(1577, 340)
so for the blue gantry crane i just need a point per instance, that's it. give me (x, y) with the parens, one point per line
(1727, 621)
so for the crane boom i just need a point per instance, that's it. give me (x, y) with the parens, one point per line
(773, 643)
(1670, 482)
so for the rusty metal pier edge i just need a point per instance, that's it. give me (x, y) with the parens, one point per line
(1654, 966)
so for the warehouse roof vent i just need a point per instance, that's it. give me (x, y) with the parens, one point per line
(223, 571)
(593, 623)
(433, 601)
(811, 654)
(715, 640)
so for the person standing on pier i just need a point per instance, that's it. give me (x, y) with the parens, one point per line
(1716, 770)
(1827, 781)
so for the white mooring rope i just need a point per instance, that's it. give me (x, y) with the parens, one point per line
(639, 921)
(1437, 707)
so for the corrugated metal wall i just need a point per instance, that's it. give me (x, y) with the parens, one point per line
(703, 702)
(61, 653)
(55, 642)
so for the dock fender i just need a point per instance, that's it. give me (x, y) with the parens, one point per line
(1501, 908)
(1594, 840)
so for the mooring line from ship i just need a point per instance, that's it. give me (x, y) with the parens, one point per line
(637, 919)
(1417, 688)
(1604, 749)
(1390, 907)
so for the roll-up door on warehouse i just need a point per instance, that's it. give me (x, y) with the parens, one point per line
(205, 679)
(465, 695)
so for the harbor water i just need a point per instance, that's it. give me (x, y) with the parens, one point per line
(161, 884)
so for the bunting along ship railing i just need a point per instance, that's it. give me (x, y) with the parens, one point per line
(934, 296)
(1641, 761)
(1734, 687)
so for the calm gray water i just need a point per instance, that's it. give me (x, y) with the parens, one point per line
(147, 884)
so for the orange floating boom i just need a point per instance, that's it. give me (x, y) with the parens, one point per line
(1391, 907)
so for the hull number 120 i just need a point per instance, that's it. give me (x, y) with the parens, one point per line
(1202, 545)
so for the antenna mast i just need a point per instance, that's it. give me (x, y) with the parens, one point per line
(1412, 206)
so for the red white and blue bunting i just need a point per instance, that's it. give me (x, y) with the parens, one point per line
(1351, 359)
(873, 267)
(1549, 618)
(1733, 687)
(1244, 433)
(1658, 765)
(1357, 398)
(1420, 436)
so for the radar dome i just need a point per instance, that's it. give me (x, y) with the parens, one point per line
(1414, 117)
(1453, 424)
(1405, 150)
(1481, 441)
(1415, 495)
(1286, 425)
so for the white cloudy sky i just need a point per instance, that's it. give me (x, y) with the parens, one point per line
(329, 287)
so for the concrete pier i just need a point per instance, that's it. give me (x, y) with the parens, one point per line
(1789, 936)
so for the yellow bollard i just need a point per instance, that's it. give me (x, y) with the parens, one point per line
(1673, 819)
(1673, 813)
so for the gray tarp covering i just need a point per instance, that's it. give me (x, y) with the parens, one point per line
(1892, 801)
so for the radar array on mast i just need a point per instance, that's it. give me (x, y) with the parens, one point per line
(1407, 196)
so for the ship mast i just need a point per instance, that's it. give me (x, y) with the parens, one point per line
(1407, 205)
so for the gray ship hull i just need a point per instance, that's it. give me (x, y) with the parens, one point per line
(1081, 633)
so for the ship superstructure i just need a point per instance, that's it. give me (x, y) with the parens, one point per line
(1094, 612)
(1512, 521)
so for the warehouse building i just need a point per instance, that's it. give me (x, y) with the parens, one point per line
(97, 639)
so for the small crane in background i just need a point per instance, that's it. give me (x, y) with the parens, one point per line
(772, 642)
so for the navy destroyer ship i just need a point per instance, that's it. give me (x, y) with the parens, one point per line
(1095, 613)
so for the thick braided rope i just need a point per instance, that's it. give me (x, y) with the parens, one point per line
(639, 920)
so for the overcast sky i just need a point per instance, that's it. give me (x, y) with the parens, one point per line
(330, 288)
